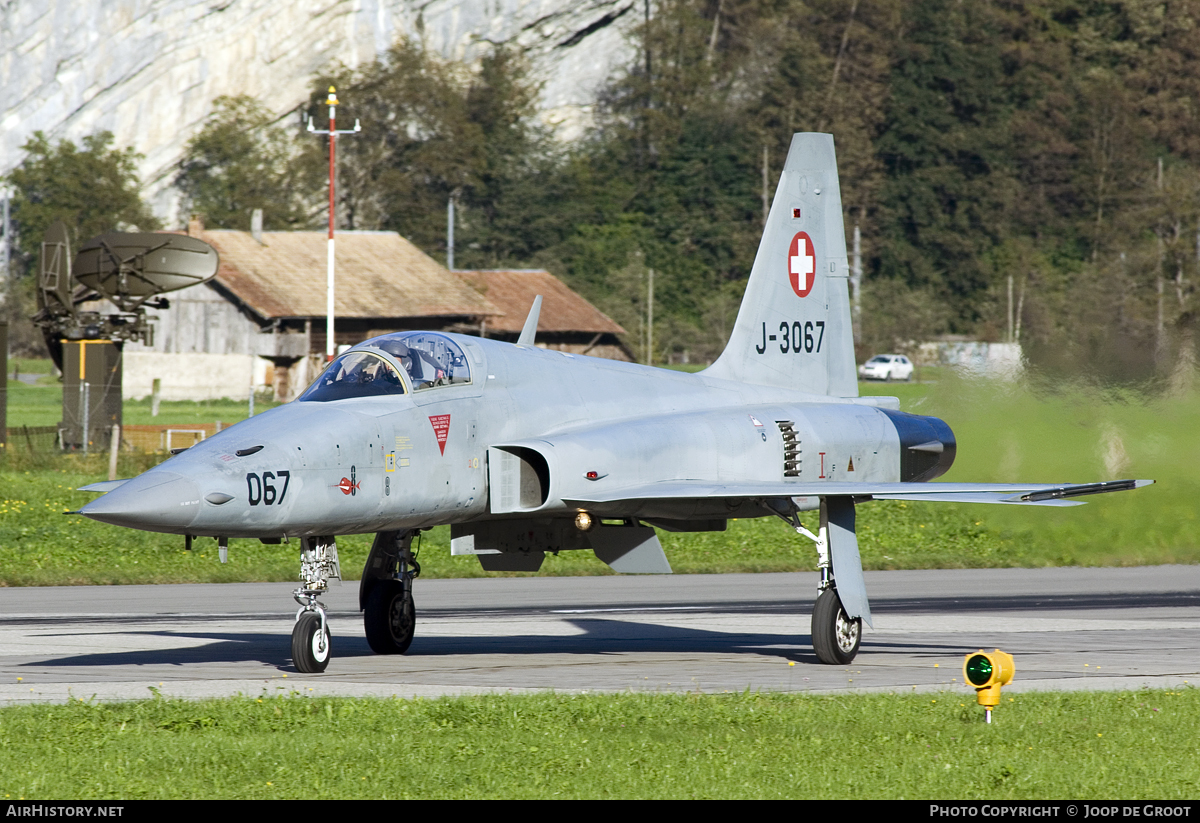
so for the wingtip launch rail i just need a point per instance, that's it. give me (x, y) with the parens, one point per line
(523, 451)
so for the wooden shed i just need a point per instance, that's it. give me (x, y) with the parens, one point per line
(266, 306)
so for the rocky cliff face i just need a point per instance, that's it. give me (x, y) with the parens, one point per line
(148, 70)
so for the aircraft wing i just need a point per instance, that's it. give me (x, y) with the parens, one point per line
(1029, 494)
(103, 486)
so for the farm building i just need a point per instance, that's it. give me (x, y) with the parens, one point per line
(261, 320)
(567, 322)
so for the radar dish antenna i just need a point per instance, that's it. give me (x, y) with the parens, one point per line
(129, 269)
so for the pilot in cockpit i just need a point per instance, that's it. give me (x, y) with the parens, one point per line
(402, 353)
(424, 367)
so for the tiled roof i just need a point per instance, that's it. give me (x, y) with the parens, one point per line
(378, 274)
(512, 292)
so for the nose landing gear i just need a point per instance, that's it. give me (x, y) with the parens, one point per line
(310, 635)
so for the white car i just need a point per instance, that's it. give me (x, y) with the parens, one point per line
(886, 367)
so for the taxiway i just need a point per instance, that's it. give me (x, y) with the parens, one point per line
(1068, 628)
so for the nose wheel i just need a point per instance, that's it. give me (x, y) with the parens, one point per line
(310, 643)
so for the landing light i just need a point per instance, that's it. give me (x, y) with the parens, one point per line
(584, 522)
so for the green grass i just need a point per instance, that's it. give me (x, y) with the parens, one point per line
(1005, 433)
(1095, 745)
(1087, 746)
(30, 365)
(41, 405)
(1011, 433)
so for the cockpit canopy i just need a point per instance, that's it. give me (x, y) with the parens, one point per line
(355, 374)
(370, 368)
(430, 359)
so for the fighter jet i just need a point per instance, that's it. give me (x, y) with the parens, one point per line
(523, 451)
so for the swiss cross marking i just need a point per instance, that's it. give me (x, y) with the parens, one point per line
(802, 264)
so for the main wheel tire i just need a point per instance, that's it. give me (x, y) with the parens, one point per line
(310, 645)
(835, 637)
(390, 618)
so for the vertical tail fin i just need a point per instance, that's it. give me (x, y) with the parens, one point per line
(793, 329)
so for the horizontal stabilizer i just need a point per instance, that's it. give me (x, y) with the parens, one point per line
(630, 549)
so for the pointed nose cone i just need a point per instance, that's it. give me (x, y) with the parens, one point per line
(157, 501)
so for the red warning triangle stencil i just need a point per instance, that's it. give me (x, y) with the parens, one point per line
(441, 429)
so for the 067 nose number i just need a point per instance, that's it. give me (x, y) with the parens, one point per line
(263, 489)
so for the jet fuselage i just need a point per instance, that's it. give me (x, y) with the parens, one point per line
(420, 459)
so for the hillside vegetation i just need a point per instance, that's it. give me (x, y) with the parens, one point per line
(1053, 144)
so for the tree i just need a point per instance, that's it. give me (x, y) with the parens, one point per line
(946, 150)
(244, 160)
(93, 189)
(672, 170)
(432, 129)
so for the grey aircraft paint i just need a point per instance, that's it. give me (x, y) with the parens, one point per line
(523, 450)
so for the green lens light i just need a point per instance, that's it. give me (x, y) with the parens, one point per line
(979, 670)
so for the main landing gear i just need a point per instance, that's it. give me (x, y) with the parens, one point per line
(310, 635)
(385, 594)
(835, 635)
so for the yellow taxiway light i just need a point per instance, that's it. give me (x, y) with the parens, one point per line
(987, 672)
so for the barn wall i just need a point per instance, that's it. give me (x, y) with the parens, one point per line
(192, 376)
(202, 320)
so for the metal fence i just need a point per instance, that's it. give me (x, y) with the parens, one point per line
(144, 439)
(34, 439)
(166, 438)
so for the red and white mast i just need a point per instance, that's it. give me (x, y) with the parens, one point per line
(332, 131)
